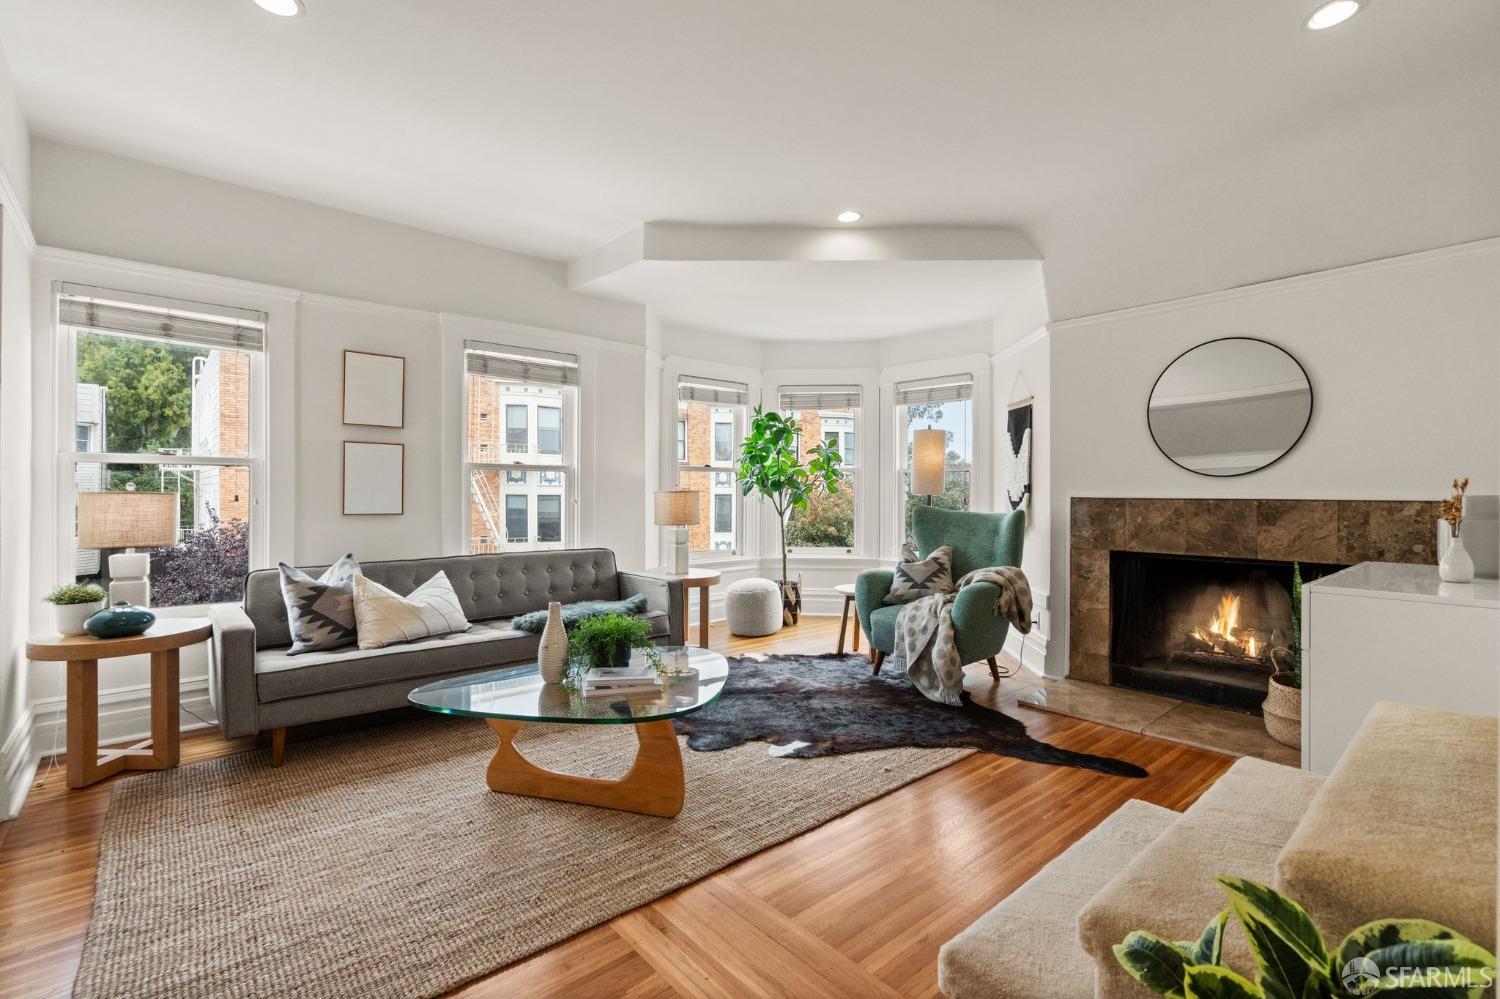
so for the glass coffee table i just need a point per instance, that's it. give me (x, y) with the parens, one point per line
(510, 697)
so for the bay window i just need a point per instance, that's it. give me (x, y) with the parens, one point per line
(825, 413)
(159, 400)
(946, 404)
(711, 422)
(511, 509)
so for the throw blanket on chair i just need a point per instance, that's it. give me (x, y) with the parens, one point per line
(924, 631)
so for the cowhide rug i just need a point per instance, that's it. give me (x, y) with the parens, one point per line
(828, 704)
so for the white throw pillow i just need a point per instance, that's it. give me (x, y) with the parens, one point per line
(384, 617)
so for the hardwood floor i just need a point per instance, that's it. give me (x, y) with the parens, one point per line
(856, 907)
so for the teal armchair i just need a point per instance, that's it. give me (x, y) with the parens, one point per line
(978, 540)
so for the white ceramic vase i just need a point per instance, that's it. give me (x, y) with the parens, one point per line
(69, 618)
(552, 650)
(1456, 565)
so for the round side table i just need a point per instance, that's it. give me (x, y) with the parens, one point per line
(847, 589)
(700, 580)
(87, 762)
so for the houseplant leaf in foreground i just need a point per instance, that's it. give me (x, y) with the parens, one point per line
(1153, 961)
(1210, 982)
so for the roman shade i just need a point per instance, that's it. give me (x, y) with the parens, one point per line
(520, 364)
(713, 391)
(799, 397)
(947, 388)
(217, 326)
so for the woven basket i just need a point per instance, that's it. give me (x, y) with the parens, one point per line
(1282, 711)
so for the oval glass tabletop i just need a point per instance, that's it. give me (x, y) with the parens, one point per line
(518, 693)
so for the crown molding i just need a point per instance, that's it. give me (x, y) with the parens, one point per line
(13, 210)
(134, 268)
(368, 307)
(1035, 336)
(1275, 285)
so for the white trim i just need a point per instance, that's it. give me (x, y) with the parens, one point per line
(369, 308)
(1279, 284)
(1035, 336)
(18, 763)
(156, 272)
(13, 209)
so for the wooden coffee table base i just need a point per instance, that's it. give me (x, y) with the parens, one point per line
(654, 785)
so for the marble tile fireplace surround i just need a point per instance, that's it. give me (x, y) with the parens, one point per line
(1325, 532)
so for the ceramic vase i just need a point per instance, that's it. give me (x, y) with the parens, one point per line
(69, 618)
(1456, 566)
(552, 650)
(119, 620)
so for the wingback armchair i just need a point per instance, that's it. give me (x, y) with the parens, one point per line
(978, 540)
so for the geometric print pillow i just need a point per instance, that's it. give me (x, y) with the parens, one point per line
(385, 617)
(914, 580)
(320, 612)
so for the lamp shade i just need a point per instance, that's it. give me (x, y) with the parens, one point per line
(677, 507)
(929, 453)
(127, 520)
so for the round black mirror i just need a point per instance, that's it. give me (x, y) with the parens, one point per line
(1230, 406)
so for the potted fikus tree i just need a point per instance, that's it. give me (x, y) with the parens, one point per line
(773, 464)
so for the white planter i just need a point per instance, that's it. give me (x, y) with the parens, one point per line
(1456, 566)
(69, 618)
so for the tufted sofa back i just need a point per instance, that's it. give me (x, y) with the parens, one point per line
(488, 586)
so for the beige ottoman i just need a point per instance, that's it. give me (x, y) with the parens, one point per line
(753, 608)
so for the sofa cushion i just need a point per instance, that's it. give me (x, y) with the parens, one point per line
(1237, 827)
(1022, 948)
(279, 676)
(1403, 826)
(320, 612)
(384, 617)
(488, 586)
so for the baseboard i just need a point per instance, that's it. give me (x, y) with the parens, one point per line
(17, 767)
(124, 715)
(1034, 653)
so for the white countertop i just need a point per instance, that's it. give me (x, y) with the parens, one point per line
(1399, 581)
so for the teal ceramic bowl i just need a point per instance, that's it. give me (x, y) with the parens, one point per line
(119, 621)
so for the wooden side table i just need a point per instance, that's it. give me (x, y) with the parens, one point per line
(701, 580)
(87, 762)
(847, 589)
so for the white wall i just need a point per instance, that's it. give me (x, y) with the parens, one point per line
(16, 595)
(1404, 359)
(1019, 370)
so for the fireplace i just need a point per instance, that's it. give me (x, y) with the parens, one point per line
(1201, 628)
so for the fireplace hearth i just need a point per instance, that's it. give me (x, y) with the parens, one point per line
(1201, 628)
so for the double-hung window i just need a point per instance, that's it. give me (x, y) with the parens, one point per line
(826, 413)
(944, 404)
(159, 426)
(510, 509)
(710, 425)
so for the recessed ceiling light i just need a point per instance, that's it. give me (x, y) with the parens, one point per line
(282, 8)
(850, 216)
(1331, 13)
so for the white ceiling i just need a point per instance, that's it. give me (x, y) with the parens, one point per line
(554, 127)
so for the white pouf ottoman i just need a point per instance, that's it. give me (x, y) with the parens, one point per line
(753, 607)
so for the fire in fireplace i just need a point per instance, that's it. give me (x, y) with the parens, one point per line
(1201, 628)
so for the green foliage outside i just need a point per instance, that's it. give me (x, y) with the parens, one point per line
(74, 593)
(1292, 961)
(826, 522)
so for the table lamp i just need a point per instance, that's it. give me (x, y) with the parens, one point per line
(678, 509)
(128, 520)
(929, 456)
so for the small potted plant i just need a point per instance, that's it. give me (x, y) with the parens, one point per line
(608, 641)
(1282, 710)
(74, 604)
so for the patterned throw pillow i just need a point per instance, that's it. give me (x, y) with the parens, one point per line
(915, 580)
(320, 612)
(385, 617)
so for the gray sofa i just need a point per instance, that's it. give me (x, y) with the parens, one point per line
(256, 687)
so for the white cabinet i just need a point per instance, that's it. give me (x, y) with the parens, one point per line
(1381, 631)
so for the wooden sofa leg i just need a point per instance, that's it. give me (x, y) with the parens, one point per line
(876, 658)
(278, 746)
(994, 667)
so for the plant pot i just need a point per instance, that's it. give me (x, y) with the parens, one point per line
(618, 658)
(791, 600)
(69, 618)
(1457, 566)
(1282, 711)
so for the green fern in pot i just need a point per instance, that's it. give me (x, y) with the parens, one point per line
(601, 642)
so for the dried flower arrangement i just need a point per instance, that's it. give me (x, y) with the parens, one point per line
(1452, 510)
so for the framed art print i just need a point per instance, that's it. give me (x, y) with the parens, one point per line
(374, 478)
(374, 389)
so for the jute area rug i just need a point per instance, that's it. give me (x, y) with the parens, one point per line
(378, 863)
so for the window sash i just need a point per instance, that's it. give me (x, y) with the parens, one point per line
(798, 397)
(715, 391)
(548, 519)
(549, 430)
(520, 364)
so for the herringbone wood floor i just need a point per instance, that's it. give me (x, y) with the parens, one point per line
(857, 907)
